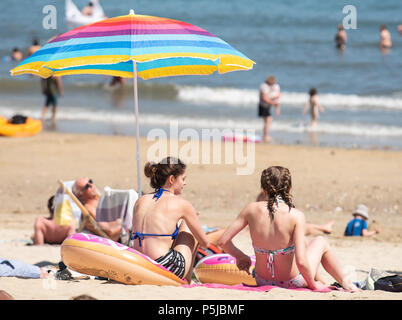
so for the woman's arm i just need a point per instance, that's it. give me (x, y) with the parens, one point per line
(193, 222)
(301, 250)
(243, 261)
(267, 99)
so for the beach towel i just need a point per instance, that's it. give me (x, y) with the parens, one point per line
(66, 211)
(252, 288)
(117, 204)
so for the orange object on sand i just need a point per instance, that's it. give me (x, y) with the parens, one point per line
(222, 268)
(97, 256)
(29, 128)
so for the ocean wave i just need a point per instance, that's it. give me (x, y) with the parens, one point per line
(249, 98)
(153, 120)
(229, 96)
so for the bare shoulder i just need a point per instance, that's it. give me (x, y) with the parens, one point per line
(180, 203)
(144, 197)
(297, 215)
(254, 207)
(141, 200)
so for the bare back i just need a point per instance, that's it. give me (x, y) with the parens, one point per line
(273, 235)
(156, 217)
(313, 107)
(161, 217)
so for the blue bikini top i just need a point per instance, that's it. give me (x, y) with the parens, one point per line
(141, 236)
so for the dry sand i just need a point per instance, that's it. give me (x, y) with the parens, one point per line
(327, 184)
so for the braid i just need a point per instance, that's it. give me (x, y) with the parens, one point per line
(277, 181)
(286, 186)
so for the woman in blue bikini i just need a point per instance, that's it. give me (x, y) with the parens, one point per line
(277, 230)
(156, 229)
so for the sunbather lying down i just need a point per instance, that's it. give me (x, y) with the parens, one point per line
(46, 230)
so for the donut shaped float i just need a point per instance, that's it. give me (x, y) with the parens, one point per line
(221, 268)
(97, 256)
(29, 128)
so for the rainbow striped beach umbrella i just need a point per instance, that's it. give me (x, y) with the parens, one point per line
(135, 46)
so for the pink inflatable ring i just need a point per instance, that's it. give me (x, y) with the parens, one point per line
(221, 268)
(97, 256)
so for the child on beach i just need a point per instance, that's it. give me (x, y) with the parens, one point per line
(315, 107)
(358, 225)
(283, 255)
(156, 231)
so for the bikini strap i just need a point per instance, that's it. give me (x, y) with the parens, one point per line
(272, 253)
(158, 193)
(141, 236)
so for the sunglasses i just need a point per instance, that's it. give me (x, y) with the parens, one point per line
(89, 184)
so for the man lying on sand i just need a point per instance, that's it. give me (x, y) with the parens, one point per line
(47, 231)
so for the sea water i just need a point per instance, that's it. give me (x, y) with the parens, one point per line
(360, 87)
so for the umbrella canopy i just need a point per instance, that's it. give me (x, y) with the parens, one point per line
(135, 46)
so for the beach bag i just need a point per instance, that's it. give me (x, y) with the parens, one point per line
(390, 283)
(18, 119)
(66, 211)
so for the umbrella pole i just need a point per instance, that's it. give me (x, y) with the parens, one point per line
(137, 129)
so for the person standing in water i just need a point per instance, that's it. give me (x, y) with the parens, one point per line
(340, 38)
(385, 38)
(52, 87)
(270, 93)
(314, 106)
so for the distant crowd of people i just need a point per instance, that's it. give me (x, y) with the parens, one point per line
(385, 38)
(270, 94)
(270, 91)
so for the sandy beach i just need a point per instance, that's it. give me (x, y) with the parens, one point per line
(327, 185)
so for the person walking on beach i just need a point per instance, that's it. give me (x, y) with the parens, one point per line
(358, 225)
(314, 106)
(270, 93)
(283, 255)
(340, 38)
(156, 230)
(52, 87)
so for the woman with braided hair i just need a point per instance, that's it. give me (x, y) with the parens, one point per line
(277, 230)
(156, 231)
(311, 228)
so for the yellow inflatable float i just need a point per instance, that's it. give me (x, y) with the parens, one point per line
(29, 128)
(221, 268)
